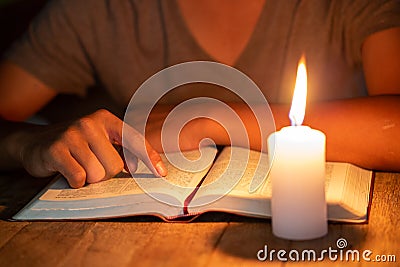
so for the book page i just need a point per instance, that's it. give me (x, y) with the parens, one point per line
(117, 186)
(181, 177)
(177, 183)
(348, 185)
(357, 189)
(345, 184)
(232, 173)
(266, 189)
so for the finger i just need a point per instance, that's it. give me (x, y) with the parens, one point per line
(120, 151)
(95, 171)
(139, 146)
(155, 159)
(131, 162)
(105, 153)
(135, 143)
(73, 172)
(90, 146)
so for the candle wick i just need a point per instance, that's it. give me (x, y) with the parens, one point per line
(293, 121)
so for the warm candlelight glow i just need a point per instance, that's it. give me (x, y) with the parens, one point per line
(298, 108)
(297, 158)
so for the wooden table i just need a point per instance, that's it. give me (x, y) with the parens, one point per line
(212, 240)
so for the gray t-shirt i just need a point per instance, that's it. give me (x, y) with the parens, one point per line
(73, 45)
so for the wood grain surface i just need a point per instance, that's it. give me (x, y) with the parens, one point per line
(214, 239)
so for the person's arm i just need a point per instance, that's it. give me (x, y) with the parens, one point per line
(21, 94)
(364, 131)
(381, 62)
(82, 150)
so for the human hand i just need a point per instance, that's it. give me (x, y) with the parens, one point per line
(83, 151)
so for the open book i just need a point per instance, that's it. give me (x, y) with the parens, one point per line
(187, 194)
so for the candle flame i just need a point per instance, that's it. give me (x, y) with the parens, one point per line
(298, 107)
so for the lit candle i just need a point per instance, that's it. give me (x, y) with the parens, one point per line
(297, 155)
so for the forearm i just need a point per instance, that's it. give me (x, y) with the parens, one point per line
(363, 131)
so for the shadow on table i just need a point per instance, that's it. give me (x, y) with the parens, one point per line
(17, 188)
(244, 241)
(210, 217)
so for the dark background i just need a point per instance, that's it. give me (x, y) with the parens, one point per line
(15, 16)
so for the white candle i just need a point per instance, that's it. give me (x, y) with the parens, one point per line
(297, 155)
